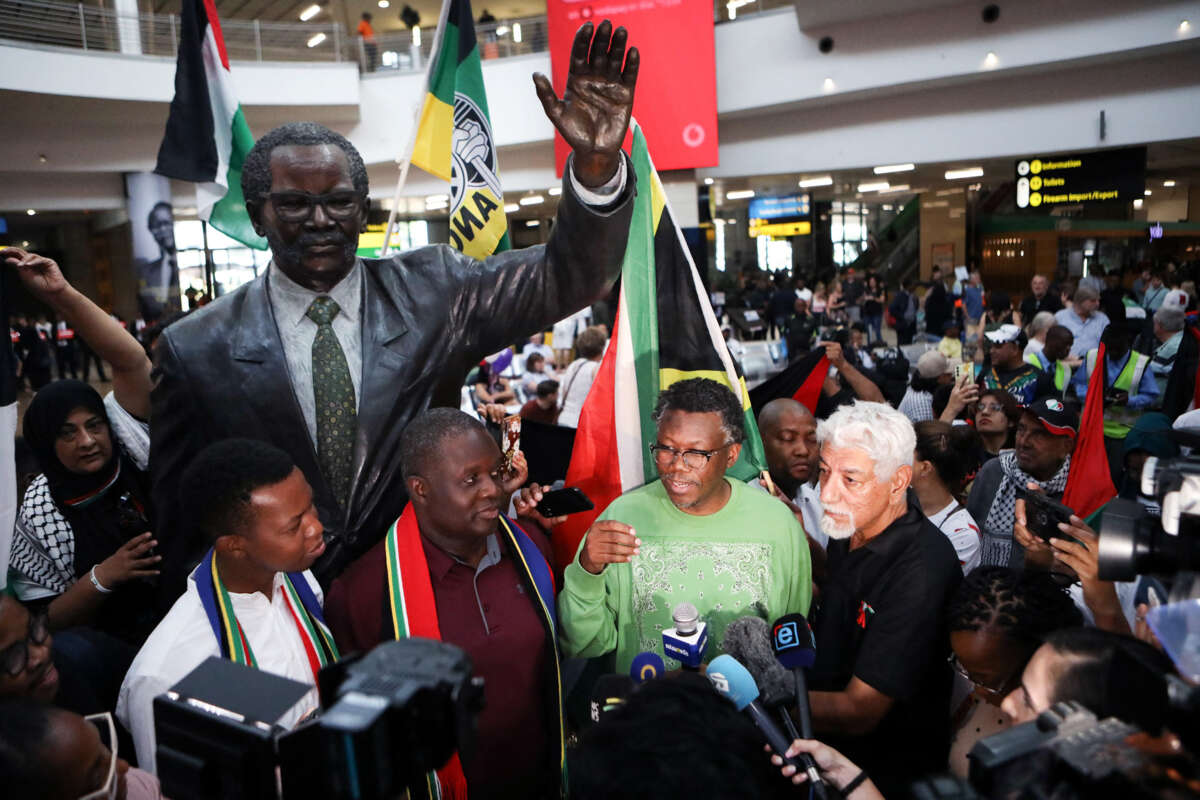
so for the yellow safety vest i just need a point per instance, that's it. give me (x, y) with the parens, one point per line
(1119, 420)
(1062, 372)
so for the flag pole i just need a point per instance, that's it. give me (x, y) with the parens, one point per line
(416, 129)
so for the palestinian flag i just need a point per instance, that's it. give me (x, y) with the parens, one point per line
(207, 138)
(1089, 482)
(665, 331)
(801, 381)
(454, 136)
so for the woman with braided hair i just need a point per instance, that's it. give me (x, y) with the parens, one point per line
(997, 619)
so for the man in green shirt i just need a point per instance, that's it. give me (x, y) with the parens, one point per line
(693, 536)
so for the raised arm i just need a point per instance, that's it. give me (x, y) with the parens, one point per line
(130, 365)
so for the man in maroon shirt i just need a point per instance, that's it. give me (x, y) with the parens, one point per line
(544, 407)
(488, 601)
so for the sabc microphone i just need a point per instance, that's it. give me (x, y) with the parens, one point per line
(609, 693)
(688, 640)
(646, 666)
(796, 651)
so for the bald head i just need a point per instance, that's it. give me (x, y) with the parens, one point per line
(789, 434)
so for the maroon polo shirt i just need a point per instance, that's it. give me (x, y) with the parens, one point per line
(490, 614)
(532, 411)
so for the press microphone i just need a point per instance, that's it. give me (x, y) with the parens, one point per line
(646, 666)
(734, 681)
(796, 651)
(748, 639)
(688, 640)
(609, 692)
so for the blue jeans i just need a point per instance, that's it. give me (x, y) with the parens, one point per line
(874, 327)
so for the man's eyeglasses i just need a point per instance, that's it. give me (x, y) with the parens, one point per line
(15, 657)
(665, 456)
(108, 735)
(298, 206)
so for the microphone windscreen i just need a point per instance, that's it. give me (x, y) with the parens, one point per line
(748, 639)
(731, 679)
(646, 666)
(793, 642)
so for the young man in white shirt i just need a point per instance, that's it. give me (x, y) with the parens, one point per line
(256, 508)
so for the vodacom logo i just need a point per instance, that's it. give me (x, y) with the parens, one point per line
(693, 135)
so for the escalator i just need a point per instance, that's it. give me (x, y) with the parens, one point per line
(897, 247)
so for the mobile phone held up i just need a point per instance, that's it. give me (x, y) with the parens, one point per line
(561, 502)
(1042, 515)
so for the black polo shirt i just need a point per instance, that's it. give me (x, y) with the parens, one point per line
(882, 619)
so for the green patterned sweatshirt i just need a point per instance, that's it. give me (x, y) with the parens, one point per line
(748, 559)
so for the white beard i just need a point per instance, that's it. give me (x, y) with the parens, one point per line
(835, 530)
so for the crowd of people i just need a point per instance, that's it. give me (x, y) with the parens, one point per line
(305, 469)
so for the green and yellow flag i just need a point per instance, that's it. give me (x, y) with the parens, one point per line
(454, 137)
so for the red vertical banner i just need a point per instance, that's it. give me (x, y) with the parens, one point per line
(676, 99)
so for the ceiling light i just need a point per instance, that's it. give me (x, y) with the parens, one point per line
(30, 211)
(1168, 184)
(533, 223)
(887, 207)
(740, 194)
(966, 172)
(1137, 203)
(310, 12)
(416, 34)
(554, 191)
(875, 186)
(1147, 193)
(437, 200)
(890, 168)
(316, 40)
(510, 208)
(708, 181)
(824, 180)
(1184, 26)
(532, 200)
(384, 3)
(828, 85)
(516, 32)
(901, 188)
(42, 158)
(990, 60)
(502, 30)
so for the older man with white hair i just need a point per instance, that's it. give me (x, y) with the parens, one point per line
(881, 684)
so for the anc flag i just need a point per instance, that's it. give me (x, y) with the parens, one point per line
(665, 332)
(801, 381)
(1089, 481)
(454, 137)
(207, 138)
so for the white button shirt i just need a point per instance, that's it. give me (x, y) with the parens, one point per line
(185, 638)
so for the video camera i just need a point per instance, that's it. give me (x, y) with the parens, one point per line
(1133, 542)
(387, 718)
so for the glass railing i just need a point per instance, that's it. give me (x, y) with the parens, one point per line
(88, 27)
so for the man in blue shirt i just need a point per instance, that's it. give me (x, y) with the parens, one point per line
(1085, 321)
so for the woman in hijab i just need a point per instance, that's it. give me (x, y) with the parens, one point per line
(82, 541)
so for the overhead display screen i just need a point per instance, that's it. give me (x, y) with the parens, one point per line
(1104, 176)
(786, 215)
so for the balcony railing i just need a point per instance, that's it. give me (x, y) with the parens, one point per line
(88, 27)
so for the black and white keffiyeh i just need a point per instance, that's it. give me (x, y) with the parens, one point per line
(43, 548)
(998, 543)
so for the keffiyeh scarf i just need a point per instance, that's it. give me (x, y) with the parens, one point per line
(998, 542)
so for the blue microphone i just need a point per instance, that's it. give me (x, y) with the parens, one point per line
(734, 681)
(646, 666)
(688, 640)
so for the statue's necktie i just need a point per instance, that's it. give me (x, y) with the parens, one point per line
(333, 391)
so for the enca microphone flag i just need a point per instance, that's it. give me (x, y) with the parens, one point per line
(454, 136)
(1089, 482)
(8, 433)
(665, 332)
(207, 138)
(801, 381)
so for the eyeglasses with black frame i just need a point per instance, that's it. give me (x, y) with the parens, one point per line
(664, 455)
(298, 206)
(15, 657)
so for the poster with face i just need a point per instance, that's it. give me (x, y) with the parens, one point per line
(155, 261)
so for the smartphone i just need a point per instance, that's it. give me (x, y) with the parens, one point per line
(510, 440)
(561, 502)
(966, 368)
(1042, 515)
